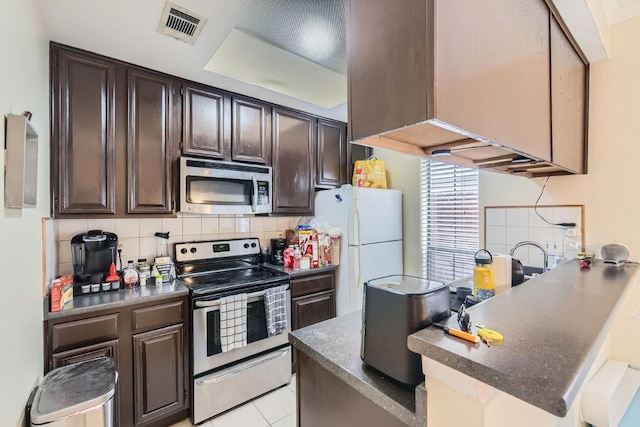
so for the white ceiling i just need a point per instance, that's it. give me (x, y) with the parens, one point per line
(126, 30)
(621, 10)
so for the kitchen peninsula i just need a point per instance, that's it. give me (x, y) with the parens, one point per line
(557, 328)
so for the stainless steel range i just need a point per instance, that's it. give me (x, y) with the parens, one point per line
(221, 380)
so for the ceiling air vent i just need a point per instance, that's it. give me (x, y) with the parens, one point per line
(180, 23)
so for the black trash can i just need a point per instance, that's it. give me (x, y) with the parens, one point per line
(77, 395)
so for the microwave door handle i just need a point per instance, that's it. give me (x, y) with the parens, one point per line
(254, 199)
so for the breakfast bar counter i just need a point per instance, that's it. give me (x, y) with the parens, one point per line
(329, 358)
(554, 328)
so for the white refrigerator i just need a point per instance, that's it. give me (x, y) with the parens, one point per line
(371, 246)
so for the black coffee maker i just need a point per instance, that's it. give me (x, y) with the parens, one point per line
(277, 249)
(92, 253)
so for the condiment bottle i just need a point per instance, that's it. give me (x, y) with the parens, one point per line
(144, 272)
(484, 280)
(130, 275)
(297, 254)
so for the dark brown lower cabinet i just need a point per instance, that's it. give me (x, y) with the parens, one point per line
(313, 308)
(158, 373)
(313, 299)
(325, 400)
(148, 342)
(82, 354)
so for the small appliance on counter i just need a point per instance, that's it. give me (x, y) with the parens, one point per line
(277, 251)
(92, 254)
(615, 253)
(394, 308)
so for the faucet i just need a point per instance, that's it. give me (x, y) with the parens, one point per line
(537, 245)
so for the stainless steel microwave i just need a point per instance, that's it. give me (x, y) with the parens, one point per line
(224, 188)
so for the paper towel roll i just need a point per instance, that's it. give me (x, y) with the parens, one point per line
(502, 271)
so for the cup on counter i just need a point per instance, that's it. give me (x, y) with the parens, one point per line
(305, 262)
(86, 289)
(115, 284)
(95, 287)
(106, 286)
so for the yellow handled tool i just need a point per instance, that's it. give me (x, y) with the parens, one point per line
(488, 334)
(458, 333)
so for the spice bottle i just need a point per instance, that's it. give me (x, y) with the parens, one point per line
(130, 275)
(144, 272)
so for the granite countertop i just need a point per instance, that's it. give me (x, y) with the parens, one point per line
(553, 326)
(335, 345)
(89, 303)
(298, 273)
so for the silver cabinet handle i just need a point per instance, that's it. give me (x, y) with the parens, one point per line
(253, 364)
(254, 201)
(217, 302)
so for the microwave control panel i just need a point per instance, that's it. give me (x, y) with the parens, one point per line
(263, 193)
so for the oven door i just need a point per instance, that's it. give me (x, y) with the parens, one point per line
(207, 352)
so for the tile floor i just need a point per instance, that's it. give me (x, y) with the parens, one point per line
(274, 409)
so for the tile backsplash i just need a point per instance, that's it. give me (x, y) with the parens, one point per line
(138, 240)
(506, 226)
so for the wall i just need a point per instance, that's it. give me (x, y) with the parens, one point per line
(24, 85)
(609, 190)
(403, 173)
(137, 235)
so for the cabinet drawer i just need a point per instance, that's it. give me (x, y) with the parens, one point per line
(311, 284)
(157, 316)
(84, 332)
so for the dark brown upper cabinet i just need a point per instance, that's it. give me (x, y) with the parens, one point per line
(113, 137)
(568, 103)
(251, 131)
(149, 142)
(83, 157)
(331, 154)
(294, 140)
(206, 126)
(427, 75)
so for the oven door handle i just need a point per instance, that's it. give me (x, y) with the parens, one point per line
(254, 199)
(254, 363)
(217, 302)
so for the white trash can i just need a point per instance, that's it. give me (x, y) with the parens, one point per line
(77, 395)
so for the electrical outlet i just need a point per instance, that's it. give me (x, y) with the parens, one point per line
(553, 245)
(571, 232)
(121, 248)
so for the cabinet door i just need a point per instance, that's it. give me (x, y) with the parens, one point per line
(251, 131)
(331, 155)
(491, 71)
(81, 354)
(83, 148)
(313, 308)
(206, 122)
(293, 162)
(568, 100)
(149, 142)
(159, 386)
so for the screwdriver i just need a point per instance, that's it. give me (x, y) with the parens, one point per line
(458, 333)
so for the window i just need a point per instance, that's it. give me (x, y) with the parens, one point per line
(448, 220)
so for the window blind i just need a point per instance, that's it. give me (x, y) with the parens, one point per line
(449, 224)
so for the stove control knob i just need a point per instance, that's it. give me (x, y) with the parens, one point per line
(246, 246)
(193, 250)
(183, 251)
(253, 245)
